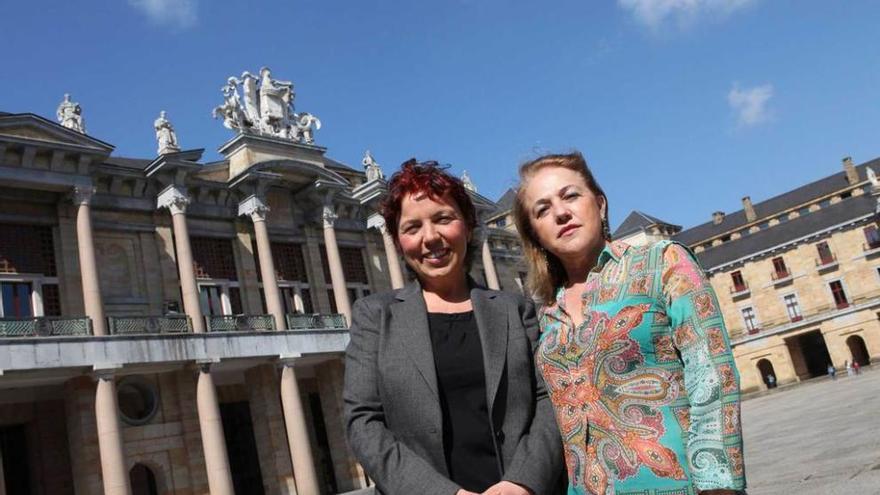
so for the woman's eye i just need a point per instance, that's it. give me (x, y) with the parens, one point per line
(444, 220)
(540, 213)
(571, 196)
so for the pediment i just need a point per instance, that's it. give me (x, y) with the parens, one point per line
(35, 130)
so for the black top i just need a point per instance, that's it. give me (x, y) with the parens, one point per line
(461, 378)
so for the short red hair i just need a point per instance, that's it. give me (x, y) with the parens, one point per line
(428, 178)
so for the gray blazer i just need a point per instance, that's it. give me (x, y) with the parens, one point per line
(392, 406)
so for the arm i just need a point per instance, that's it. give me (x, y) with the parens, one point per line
(538, 460)
(714, 446)
(392, 465)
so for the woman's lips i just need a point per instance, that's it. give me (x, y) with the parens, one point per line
(568, 228)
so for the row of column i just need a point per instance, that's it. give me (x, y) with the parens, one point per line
(112, 452)
(176, 200)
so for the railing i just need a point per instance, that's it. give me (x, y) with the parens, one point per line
(826, 262)
(42, 326)
(133, 325)
(303, 322)
(239, 323)
(780, 276)
(739, 289)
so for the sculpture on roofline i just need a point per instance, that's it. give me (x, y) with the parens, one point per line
(872, 178)
(371, 167)
(165, 135)
(268, 108)
(467, 183)
(69, 115)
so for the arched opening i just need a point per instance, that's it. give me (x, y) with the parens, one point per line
(768, 375)
(858, 350)
(143, 481)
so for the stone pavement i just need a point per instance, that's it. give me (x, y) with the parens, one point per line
(821, 437)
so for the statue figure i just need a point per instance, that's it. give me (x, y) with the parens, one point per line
(372, 169)
(275, 100)
(266, 109)
(872, 178)
(231, 111)
(70, 115)
(467, 183)
(302, 128)
(251, 99)
(165, 135)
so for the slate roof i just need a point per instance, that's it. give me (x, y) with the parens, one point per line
(776, 204)
(838, 213)
(505, 202)
(133, 163)
(637, 221)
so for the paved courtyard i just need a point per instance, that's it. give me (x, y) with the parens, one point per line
(816, 438)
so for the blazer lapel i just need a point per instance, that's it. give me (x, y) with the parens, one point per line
(493, 327)
(409, 322)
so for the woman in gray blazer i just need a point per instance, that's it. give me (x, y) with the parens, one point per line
(441, 391)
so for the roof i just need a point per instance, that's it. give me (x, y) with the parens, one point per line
(331, 163)
(134, 163)
(505, 202)
(637, 221)
(776, 204)
(838, 213)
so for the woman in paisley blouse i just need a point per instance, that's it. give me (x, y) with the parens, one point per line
(633, 348)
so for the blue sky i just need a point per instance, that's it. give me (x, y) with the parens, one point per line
(682, 107)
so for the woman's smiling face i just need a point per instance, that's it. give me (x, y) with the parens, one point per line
(433, 238)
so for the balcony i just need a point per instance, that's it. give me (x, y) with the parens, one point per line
(740, 290)
(780, 277)
(753, 331)
(43, 326)
(135, 325)
(315, 321)
(826, 263)
(239, 323)
(795, 319)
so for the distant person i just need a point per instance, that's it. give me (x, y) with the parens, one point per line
(832, 372)
(771, 381)
(442, 396)
(856, 367)
(849, 370)
(633, 346)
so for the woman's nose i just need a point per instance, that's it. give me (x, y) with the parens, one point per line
(561, 213)
(430, 233)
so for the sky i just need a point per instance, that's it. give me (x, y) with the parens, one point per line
(682, 107)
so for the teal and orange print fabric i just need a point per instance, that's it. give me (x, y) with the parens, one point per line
(645, 390)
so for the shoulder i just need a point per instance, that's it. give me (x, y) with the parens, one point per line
(505, 298)
(376, 301)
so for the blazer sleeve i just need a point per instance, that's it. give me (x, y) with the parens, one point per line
(537, 463)
(394, 467)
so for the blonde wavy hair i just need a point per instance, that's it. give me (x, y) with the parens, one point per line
(545, 270)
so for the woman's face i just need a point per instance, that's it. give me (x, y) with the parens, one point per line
(564, 213)
(433, 237)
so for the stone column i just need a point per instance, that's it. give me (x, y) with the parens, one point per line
(489, 263)
(176, 201)
(213, 441)
(337, 276)
(256, 209)
(297, 432)
(390, 251)
(113, 465)
(82, 197)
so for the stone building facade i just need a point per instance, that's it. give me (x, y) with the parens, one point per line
(797, 275)
(171, 326)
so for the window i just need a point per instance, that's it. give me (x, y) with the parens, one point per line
(290, 271)
(214, 265)
(792, 307)
(826, 257)
(739, 285)
(28, 278)
(750, 320)
(839, 294)
(872, 236)
(779, 268)
(16, 299)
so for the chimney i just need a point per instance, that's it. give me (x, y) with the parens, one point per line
(851, 175)
(717, 217)
(749, 209)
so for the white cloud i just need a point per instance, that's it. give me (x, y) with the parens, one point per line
(177, 13)
(750, 104)
(654, 13)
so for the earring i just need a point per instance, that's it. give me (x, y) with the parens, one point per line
(606, 229)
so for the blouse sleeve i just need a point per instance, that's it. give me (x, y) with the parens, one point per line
(714, 445)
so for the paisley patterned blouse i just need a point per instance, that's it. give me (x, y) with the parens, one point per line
(645, 391)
